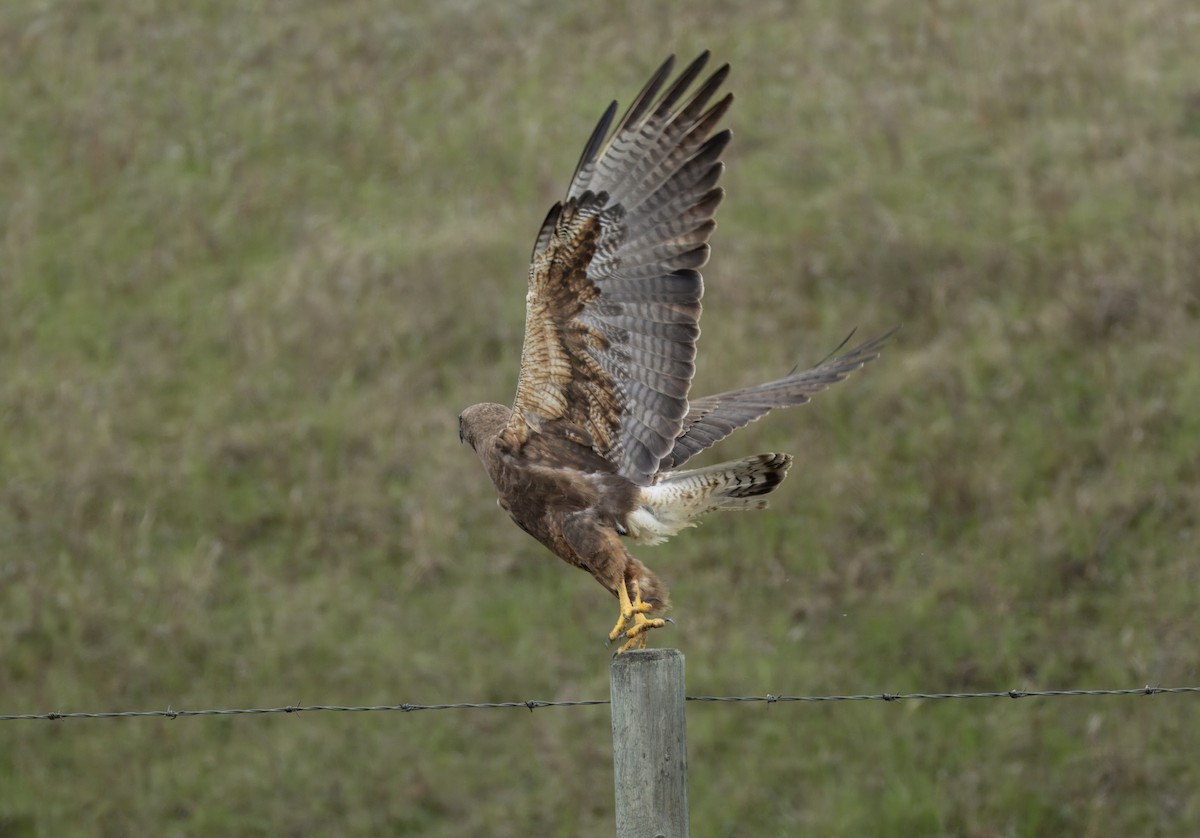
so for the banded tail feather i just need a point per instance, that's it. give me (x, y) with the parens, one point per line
(678, 499)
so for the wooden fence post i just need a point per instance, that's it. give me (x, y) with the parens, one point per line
(649, 744)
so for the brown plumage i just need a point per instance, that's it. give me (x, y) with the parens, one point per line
(588, 453)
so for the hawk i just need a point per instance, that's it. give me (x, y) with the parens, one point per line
(589, 455)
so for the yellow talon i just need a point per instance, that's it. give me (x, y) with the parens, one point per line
(635, 611)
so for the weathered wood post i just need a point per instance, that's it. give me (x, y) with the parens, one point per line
(649, 744)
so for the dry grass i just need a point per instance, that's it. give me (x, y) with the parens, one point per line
(255, 259)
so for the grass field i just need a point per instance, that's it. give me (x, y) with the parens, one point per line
(255, 258)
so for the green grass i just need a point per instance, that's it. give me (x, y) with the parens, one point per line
(254, 259)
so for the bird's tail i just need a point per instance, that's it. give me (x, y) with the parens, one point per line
(679, 498)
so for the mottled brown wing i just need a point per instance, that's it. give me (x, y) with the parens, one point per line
(614, 292)
(712, 418)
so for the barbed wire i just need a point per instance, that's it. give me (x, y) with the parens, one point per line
(772, 699)
(532, 705)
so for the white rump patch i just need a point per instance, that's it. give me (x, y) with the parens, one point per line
(655, 523)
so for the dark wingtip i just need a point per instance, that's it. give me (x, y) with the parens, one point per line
(870, 350)
(594, 143)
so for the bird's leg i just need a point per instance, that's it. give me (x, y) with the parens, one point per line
(628, 610)
(635, 611)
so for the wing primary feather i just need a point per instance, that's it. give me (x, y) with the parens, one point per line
(702, 199)
(685, 80)
(643, 100)
(592, 149)
(674, 173)
(700, 98)
(641, 146)
(713, 418)
(836, 350)
(696, 168)
(636, 108)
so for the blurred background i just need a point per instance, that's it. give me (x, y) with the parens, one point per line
(255, 258)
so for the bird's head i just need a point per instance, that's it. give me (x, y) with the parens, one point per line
(479, 424)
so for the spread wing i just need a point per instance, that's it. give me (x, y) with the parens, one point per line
(712, 418)
(614, 292)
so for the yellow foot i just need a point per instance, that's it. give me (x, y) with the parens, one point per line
(635, 611)
(637, 632)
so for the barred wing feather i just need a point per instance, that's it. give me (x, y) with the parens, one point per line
(712, 418)
(613, 304)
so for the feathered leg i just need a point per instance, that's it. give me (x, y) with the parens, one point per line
(598, 549)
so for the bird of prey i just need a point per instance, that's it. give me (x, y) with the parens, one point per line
(588, 456)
